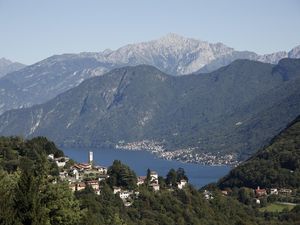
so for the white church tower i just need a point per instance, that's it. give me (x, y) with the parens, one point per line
(91, 157)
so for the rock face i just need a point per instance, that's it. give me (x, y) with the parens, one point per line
(7, 66)
(177, 55)
(44, 80)
(235, 109)
(171, 54)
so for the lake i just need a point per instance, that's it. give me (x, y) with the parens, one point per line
(140, 161)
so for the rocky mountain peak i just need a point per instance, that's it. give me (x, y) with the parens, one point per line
(7, 66)
(173, 39)
(4, 61)
(295, 52)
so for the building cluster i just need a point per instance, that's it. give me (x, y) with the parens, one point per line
(60, 161)
(147, 145)
(128, 196)
(189, 155)
(208, 195)
(81, 175)
(261, 192)
(154, 181)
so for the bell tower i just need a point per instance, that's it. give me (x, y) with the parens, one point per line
(91, 155)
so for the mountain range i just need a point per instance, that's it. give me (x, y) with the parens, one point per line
(235, 109)
(172, 54)
(7, 66)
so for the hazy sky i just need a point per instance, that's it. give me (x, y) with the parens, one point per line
(31, 30)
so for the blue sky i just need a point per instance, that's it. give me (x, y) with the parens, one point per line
(32, 30)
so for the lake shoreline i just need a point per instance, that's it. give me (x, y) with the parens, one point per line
(200, 175)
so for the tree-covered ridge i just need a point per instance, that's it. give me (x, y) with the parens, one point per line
(14, 149)
(232, 111)
(276, 165)
(28, 192)
(31, 193)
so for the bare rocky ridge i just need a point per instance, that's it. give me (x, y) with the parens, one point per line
(7, 66)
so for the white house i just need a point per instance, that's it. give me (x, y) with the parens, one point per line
(141, 180)
(97, 191)
(208, 195)
(94, 184)
(155, 186)
(101, 169)
(60, 164)
(285, 191)
(102, 177)
(76, 174)
(63, 175)
(61, 161)
(153, 175)
(125, 194)
(181, 184)
(116, 190)
(81, 186)
(127, 204)
(274, 191)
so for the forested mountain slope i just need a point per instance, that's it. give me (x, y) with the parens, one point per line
(236, 109)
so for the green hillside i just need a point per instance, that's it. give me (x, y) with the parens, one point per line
(29, 196)
(276, 165)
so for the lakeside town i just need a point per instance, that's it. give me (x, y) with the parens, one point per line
(187, 155)
(81, 175)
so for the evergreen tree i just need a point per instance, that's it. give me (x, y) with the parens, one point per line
(7, 185)
(171, 179)
(121, 175)
(27, 200)
(181, 174)
(62, 206)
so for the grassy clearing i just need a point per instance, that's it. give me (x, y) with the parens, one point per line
(276, 207)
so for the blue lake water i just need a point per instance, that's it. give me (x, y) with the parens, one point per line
(140, 161)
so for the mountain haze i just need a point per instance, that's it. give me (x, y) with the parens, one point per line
(172, 54)
(235, 109)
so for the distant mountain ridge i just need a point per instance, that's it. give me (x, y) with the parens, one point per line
(172, 54)
(178, 55)
(7, 66)
(235, 109)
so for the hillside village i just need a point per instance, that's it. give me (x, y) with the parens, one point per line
(113, 194)
(258, 194)
(81, 175)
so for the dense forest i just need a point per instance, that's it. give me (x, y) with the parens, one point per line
(31, 193)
